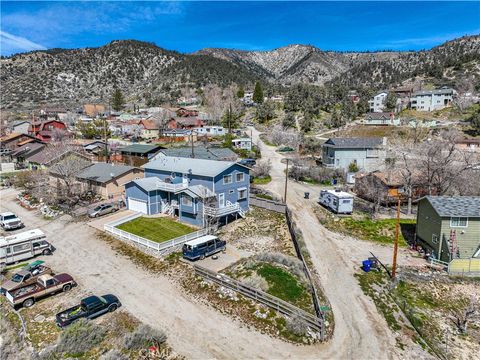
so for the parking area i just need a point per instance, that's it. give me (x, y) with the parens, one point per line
(221, 260)
(98, 223)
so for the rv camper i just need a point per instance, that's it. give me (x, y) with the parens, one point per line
(337, 201)
(23, 246)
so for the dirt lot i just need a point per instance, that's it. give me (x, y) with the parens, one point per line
(152, 297)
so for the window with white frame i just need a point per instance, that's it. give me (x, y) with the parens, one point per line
(227, 179)
(458, 221)
(242, 193)
(240, 177)
(187, 200)
(372, 153)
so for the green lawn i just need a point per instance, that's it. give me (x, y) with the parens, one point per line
(285, 286)
(262, 180)
(382, 231)
(156, 229)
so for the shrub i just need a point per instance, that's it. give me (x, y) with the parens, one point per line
(296, 325)
(143, 337)
(256, 281)
(80, 337)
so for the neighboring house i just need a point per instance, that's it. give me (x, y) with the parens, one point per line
(45, 159)
(188, 123)
(108, 180)
(95, 147)
(243, 143)
(139, 154)
(92, 110)
(149, 129)
(179, 135)
(377, 103)
(45, 130)
(353, 96)
(14, 140)
(185, 112)
(449, 226)
(367, 153)
(20, 127)
(386, 186)
(468, 145)
(211, 130)
(432, 100)
(22, 153)
(199, 152)
(194, 190)
(381, 118)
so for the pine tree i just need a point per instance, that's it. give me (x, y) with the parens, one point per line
(258, 93)
(117, 100)
(240, 92)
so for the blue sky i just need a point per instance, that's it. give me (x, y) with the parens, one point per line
(190, 26)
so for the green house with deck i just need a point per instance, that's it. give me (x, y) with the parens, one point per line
(449, 226)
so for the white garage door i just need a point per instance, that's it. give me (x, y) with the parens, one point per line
(137, 205)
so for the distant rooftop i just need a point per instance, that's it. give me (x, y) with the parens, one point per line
(140, 148)
(435, 92)
(103, 172)
(201, 152)
(466, 206)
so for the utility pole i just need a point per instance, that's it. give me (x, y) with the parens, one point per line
(286, 184)
(395, 244)
(105, 138)
(193, 151)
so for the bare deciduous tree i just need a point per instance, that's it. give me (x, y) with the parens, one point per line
(461, 318)
(262, 168)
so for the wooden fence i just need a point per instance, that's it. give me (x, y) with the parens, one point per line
(152, 245)
(271, 301)
(268, 204)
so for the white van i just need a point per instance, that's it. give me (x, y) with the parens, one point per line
(23, 246)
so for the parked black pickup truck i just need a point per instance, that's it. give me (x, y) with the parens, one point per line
(90, 308)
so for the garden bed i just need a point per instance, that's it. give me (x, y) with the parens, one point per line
(159, 229)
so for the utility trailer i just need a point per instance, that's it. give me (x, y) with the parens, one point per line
(337, 201)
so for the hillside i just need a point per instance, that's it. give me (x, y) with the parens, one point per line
(145, 71)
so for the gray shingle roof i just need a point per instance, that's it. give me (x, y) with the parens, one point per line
(209, 168)
(436, 92)
(103, 172)
(148, 183)
(354, 142)
(465, 206)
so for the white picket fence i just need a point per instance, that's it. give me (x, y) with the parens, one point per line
(158, 247)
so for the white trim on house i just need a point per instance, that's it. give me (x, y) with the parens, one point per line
(459, 219)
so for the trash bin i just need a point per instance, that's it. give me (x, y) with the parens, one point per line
(367, 265)
(334, 181)
(307, 195)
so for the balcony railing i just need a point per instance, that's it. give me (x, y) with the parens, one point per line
(226, 210)
(161, 185)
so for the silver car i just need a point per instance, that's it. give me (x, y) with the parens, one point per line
(101, 210)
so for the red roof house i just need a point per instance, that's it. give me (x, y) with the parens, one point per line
(44, 130)
(185, 122)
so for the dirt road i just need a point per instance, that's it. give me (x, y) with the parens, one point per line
(360, 331)
(194, 330)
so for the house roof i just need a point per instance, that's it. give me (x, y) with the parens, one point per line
(26, 149)
(103, 172)
(378, 116)
(465, 206)
(14, 136)
(140, 148)
(200, 152)
(202, 167)
(148, 183)
(435, 92)
(148, 124)
(354, 142)
(188, 121)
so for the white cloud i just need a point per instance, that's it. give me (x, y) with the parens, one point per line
(426, 42)
(10, 43)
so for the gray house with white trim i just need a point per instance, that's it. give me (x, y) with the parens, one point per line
(191, 189)
(367, 153)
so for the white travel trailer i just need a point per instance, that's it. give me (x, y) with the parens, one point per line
(23, 246)
(337, 201)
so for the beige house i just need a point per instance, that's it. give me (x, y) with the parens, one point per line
(108, 180)
(149, 129)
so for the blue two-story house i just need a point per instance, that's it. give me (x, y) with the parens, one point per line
(193, 190)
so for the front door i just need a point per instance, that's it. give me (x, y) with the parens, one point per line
(221, 200)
